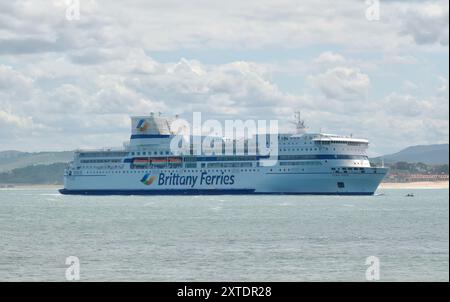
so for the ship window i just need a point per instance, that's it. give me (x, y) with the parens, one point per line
(341, 185)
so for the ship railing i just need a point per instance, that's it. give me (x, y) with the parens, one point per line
(96, 150)
(120, 149)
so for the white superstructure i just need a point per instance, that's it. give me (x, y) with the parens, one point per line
(307, 163)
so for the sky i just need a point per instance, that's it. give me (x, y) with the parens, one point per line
(72, 72)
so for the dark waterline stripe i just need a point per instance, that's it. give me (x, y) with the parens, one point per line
(199, 192)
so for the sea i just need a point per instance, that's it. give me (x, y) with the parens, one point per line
(385, 237)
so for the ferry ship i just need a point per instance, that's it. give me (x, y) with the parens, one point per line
(306, 163)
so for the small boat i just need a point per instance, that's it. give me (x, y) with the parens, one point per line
(410, 195)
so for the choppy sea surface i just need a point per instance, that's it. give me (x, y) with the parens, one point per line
(224, 238)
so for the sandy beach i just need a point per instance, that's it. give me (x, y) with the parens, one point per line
(415, 185)
(31, 187)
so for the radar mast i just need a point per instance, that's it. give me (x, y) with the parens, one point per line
(300, 127)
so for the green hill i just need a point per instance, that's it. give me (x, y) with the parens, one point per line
(35, 174)
(10, 160)
(428, 154)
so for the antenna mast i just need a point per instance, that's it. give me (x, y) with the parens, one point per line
(300, 127)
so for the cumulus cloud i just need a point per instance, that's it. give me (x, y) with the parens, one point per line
(79, 80)
(89, 106)
(405, 105)
(11, 121)
(427, 23)
(38, 26)
(14, 126)
(342, 83)
(443, 87)
(14, 84)
(329, 58)
(238, 89)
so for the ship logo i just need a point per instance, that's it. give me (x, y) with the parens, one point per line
(148, 179)
(142, 125)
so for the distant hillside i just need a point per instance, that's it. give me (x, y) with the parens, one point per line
(427, 154)
(10, 160)
(36, 174)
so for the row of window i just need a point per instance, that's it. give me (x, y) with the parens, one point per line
(228, 165)
(303, 162)
(98, 172)
(115, 167)
(99, 161)
(317, 149)
(348, 168)
(334, 170)
(300, 163)
(150, 153)
(103, 154)
(302, 149)
(157, 166)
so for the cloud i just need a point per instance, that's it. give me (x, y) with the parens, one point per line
(343, 84)
(427, 23)
(409, 86)
(329, 58)
(405, 105)
(117, 90)
(13, 84)
(79, 80)
(13, 126)
(11, 121)
(91, 103)
(443, 87)
(40, 26)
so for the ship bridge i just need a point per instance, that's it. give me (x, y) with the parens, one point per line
(326, 139)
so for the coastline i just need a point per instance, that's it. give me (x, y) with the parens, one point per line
(31, 187)
(383, 185)
(415, 185)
